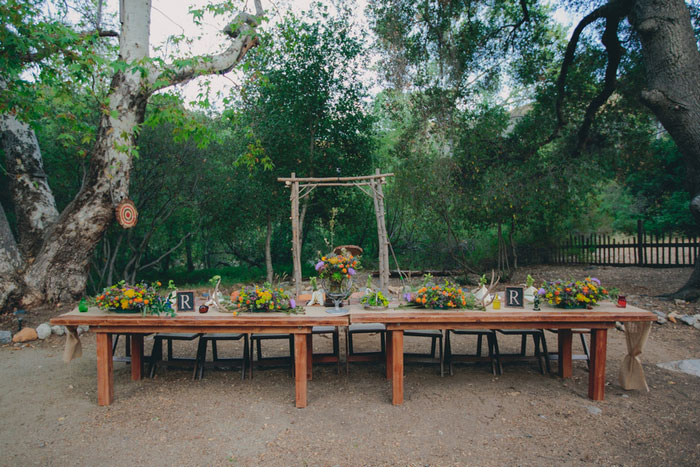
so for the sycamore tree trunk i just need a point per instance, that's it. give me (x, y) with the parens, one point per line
(50, 263)
(672, 62)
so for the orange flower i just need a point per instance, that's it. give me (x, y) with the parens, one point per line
(145, 302)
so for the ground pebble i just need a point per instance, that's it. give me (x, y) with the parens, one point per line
(58, 330)
(689, 320)
(593, 410)
(83, 329)
(659, 313)
(5, 337)
(43, 330)
(661, 320)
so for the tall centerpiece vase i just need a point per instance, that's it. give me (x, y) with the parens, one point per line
(337, 291)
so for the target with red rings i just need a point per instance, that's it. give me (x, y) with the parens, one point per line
(127, 215)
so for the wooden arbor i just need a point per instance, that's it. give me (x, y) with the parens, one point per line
(302, 187)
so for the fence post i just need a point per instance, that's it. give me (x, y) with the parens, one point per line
(640, 243)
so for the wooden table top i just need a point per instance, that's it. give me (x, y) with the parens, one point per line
(313, 316)
(606, 312)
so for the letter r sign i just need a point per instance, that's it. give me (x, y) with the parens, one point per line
(515, 297)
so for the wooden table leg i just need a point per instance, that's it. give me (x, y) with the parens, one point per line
(565, 359)
(309, 356)
(300, 359)
(136, 357)
(105, 376)
(397, 366)
(596, 374)
(389, 354)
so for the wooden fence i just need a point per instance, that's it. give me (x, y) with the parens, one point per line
(642, 250)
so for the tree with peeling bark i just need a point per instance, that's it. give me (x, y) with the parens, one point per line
(50, 262)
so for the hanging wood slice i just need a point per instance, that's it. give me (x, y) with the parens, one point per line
(127, 215)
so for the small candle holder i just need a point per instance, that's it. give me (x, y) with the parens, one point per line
(537, 302)
(203, 308)
(621, 301)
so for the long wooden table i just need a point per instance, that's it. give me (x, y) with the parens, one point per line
(598, 320)
(104, 324)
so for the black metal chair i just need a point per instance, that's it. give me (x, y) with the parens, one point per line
(586, 352)
(364, 328)
(328, 357)
(217, 362)
(540, 342)
(436, 337)
(127, 348)
(156, 357)
(494, 356)
(270, 362)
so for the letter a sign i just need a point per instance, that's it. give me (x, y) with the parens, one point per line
(185, 301)
(515, 297)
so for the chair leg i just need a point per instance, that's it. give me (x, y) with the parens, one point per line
(538, 353)
(114, 343)
(382, 342)
(170, 349)
(251, 356)
(492, 355)
(442, 355)
(433, 341)
(156, 356)
(545, 351)
(127, 343)
(523, 345)
(497, 353)
(245, 355)
(585, 350)
(347, 351)
(478, 345)
(214, 353)
(199, 360)
(448, 353)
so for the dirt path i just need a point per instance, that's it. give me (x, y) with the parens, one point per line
(49, 415)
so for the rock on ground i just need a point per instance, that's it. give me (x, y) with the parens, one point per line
(58, 330)
(691, 367)
(25, 335)
(5, 337)
(43, 331)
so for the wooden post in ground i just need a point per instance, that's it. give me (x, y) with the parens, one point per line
(296, 240)
(300, 375)
(596, 373)
(105, 375)
(382, 237)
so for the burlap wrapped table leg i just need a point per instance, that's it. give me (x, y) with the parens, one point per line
(73, 347)
(631, 371)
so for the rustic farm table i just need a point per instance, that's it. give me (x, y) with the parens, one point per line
(598, 320)
(104, 324)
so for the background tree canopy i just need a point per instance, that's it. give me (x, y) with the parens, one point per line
(505, 131)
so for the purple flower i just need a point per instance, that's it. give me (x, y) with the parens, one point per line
(351, 271)
(407, 296)
(593, 279)
(319, 265)
(541, 291)
(292, 303)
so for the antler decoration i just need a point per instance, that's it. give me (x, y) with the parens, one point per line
(491, 287)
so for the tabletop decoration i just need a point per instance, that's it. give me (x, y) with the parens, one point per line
(374, 300)
(336, 272)
(266, 298)
(139, 298)
(442, 296)
(584, 293)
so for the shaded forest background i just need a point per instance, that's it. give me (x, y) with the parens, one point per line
(461, 115)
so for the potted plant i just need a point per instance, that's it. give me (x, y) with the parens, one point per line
(530, 291)
(584, 293)
(266, 298)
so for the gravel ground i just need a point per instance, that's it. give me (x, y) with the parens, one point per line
(49, 413)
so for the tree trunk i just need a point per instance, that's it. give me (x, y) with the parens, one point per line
(268, 251)
(57, 253)
(672, 63)
(34, 203)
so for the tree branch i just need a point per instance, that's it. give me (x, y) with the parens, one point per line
(242, 33)
(611, 11)
(160, 258)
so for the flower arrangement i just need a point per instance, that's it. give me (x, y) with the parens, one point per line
(443, 296)
(142, 297)
(266, 299)
(375, 299)
(573, 294)
(336, 268)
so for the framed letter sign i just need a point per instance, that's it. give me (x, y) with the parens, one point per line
(185, 301)
(515, 297)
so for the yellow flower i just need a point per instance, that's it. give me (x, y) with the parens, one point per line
(129, 293)
(125, 304)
